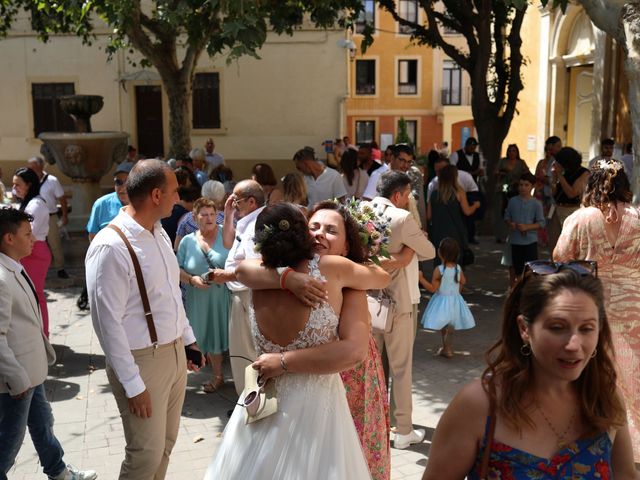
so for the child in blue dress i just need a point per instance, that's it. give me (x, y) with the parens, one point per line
(447, 311)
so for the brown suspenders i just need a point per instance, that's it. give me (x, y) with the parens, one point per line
(141, 286)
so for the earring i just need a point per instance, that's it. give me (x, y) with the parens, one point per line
(595, 352)
(525, 350)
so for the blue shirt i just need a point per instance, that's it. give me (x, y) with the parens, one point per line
(103, 211)
(524, 211)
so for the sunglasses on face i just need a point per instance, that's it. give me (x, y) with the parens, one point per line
(548, 267)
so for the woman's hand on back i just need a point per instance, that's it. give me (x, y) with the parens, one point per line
(310, 291)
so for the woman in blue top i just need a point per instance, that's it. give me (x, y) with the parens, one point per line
(550, 387)
(207, 303)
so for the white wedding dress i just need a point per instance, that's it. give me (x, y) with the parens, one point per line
(312, 436)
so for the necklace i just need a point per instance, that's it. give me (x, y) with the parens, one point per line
(562, 443)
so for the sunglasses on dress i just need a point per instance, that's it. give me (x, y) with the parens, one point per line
(549, 267)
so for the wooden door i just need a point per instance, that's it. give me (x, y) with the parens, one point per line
(149, 121)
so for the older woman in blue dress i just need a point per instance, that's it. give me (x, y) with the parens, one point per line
(207, 303)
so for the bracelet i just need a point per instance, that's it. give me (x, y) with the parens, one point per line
(283, 278)
(283, 364)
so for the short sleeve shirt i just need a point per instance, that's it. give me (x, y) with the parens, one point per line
(103, 211)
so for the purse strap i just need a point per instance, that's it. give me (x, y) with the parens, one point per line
(141, 286)
(486, 455)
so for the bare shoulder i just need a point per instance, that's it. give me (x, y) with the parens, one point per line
(473, 399)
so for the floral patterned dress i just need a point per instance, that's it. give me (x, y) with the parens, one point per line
(367, 398)
(583, 238)
(584, 459)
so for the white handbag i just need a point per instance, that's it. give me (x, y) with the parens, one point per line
(381, 308)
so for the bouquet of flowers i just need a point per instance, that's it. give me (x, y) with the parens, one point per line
(374, 229)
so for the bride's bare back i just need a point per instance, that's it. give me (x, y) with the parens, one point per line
(281, 316)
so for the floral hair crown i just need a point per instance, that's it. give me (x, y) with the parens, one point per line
(612, 164)
(373, 229)
(267, 231)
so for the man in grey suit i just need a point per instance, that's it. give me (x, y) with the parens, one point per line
(394, 189)
(25, 354)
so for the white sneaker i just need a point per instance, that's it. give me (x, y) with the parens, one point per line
(72, 473)
(403, 441)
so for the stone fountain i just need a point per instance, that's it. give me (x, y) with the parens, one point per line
(84, 156)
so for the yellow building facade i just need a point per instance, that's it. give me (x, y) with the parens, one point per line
(396, 79)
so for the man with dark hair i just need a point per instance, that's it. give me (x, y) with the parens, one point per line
(365, 159)
(244, 205)
(144, 346)
(394, 189)
(606, 152)
(403, 160)
(467, 159)
(323, 183)
(24, 355)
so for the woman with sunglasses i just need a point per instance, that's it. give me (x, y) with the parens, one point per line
(312, 434)
(607, 230)
(546, 406)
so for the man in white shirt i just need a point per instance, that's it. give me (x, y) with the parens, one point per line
(145, 351)
(244, 205)
(323, 183)
(212, 159)
(52, 193)
(467, 159)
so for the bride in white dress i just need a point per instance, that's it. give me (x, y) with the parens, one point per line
(312, 435)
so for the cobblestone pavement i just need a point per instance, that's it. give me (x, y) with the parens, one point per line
(88, 423)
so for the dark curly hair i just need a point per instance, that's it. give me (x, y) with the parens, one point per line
(282, 236)
(606, 186)
(356, 251)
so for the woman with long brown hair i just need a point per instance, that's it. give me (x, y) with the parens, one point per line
(446, 206)
(547, 404)
(607, 230)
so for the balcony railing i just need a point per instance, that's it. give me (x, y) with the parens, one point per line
(450, 96)
(407, 89)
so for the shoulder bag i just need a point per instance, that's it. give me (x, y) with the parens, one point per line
(382, 309)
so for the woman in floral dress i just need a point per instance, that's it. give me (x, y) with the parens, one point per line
(607, 229)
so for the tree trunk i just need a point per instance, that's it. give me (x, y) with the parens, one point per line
(630, 21)
(179, 94)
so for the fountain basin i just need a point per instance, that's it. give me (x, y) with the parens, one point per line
(85, 157)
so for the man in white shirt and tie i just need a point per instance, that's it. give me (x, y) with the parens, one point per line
(25, 354)
(146, 361)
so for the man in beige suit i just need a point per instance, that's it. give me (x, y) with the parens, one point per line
(25, 354)
(394, 189)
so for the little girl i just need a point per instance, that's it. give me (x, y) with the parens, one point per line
(447, 310)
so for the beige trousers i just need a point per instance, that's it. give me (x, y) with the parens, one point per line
(240, 337)
(398, 344)
(55, 245)
(150, 440)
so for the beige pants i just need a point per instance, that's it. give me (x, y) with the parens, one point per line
(398, 344)
(150, 440)
(240, 338)
(55, 245)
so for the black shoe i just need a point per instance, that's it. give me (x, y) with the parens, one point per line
(83, 301)
(229, 413)
(62, 273)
